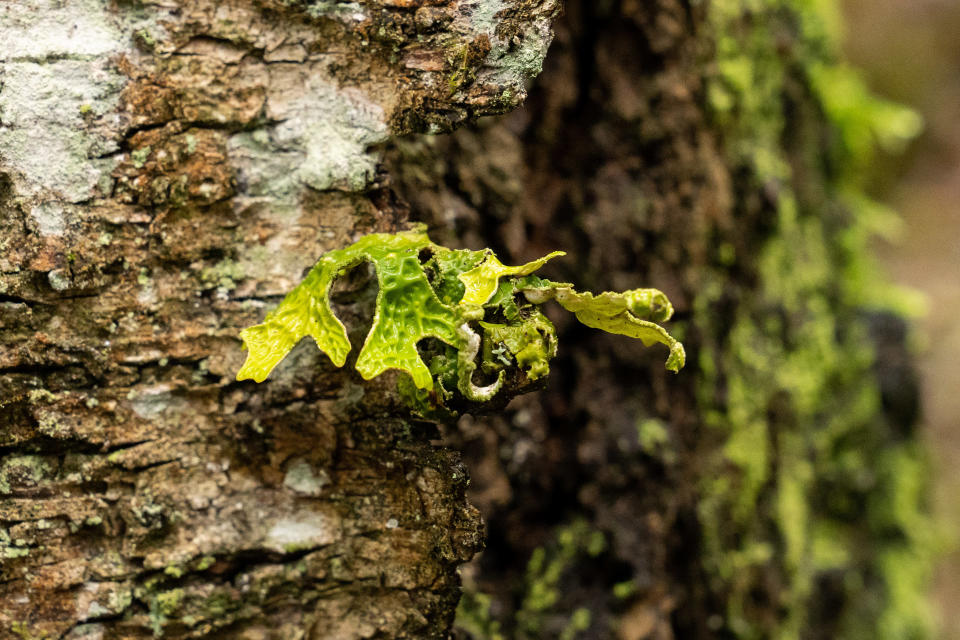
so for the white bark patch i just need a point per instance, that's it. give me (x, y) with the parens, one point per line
(151, 403)
(49, 218)
(41, 29)
(321, 130)
(302, 479)
(44, 135)
(480, 16)
(302, 531)
(58, 95)
(336, 9)
(98, 599)
(515, 63)
(510, 64)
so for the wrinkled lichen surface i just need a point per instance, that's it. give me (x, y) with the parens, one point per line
(467, 300)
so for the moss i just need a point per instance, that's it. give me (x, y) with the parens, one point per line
(22, 630)
(624, 590)
(139, 156)
(225, 275)
(547, 566)
(579, 621)
(654, 439)
(464, 68)
(801, 415)
(473, 617)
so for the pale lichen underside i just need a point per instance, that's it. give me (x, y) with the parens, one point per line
(439, 298)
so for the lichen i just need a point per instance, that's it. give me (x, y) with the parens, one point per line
(303, 531)
(515, 52)
(467, 300)
(22, 471)
(163, 605)
(22, 629)
(302, 478)
(225, 275)
(139, 157)
(10, 549)
(59, 85)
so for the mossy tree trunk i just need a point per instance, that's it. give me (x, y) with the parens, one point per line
(773, 489)
(168, 170)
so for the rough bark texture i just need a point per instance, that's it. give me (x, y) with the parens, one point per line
(169, 169)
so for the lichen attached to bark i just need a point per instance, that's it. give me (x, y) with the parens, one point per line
(468, 300)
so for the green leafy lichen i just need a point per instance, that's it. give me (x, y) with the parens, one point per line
(622, 313)
(481, 282)
(469, 301)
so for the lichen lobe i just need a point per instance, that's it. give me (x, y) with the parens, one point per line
(469, 301)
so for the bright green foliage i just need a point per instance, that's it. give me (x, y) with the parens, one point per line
(429, 291)
(407, 311)
(532, 344)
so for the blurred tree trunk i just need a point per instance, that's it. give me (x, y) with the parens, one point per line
(168, 170)
(773, 489)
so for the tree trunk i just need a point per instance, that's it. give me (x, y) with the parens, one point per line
(168, 170)
(773, 489)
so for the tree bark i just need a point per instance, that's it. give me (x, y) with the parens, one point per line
(168, 170)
